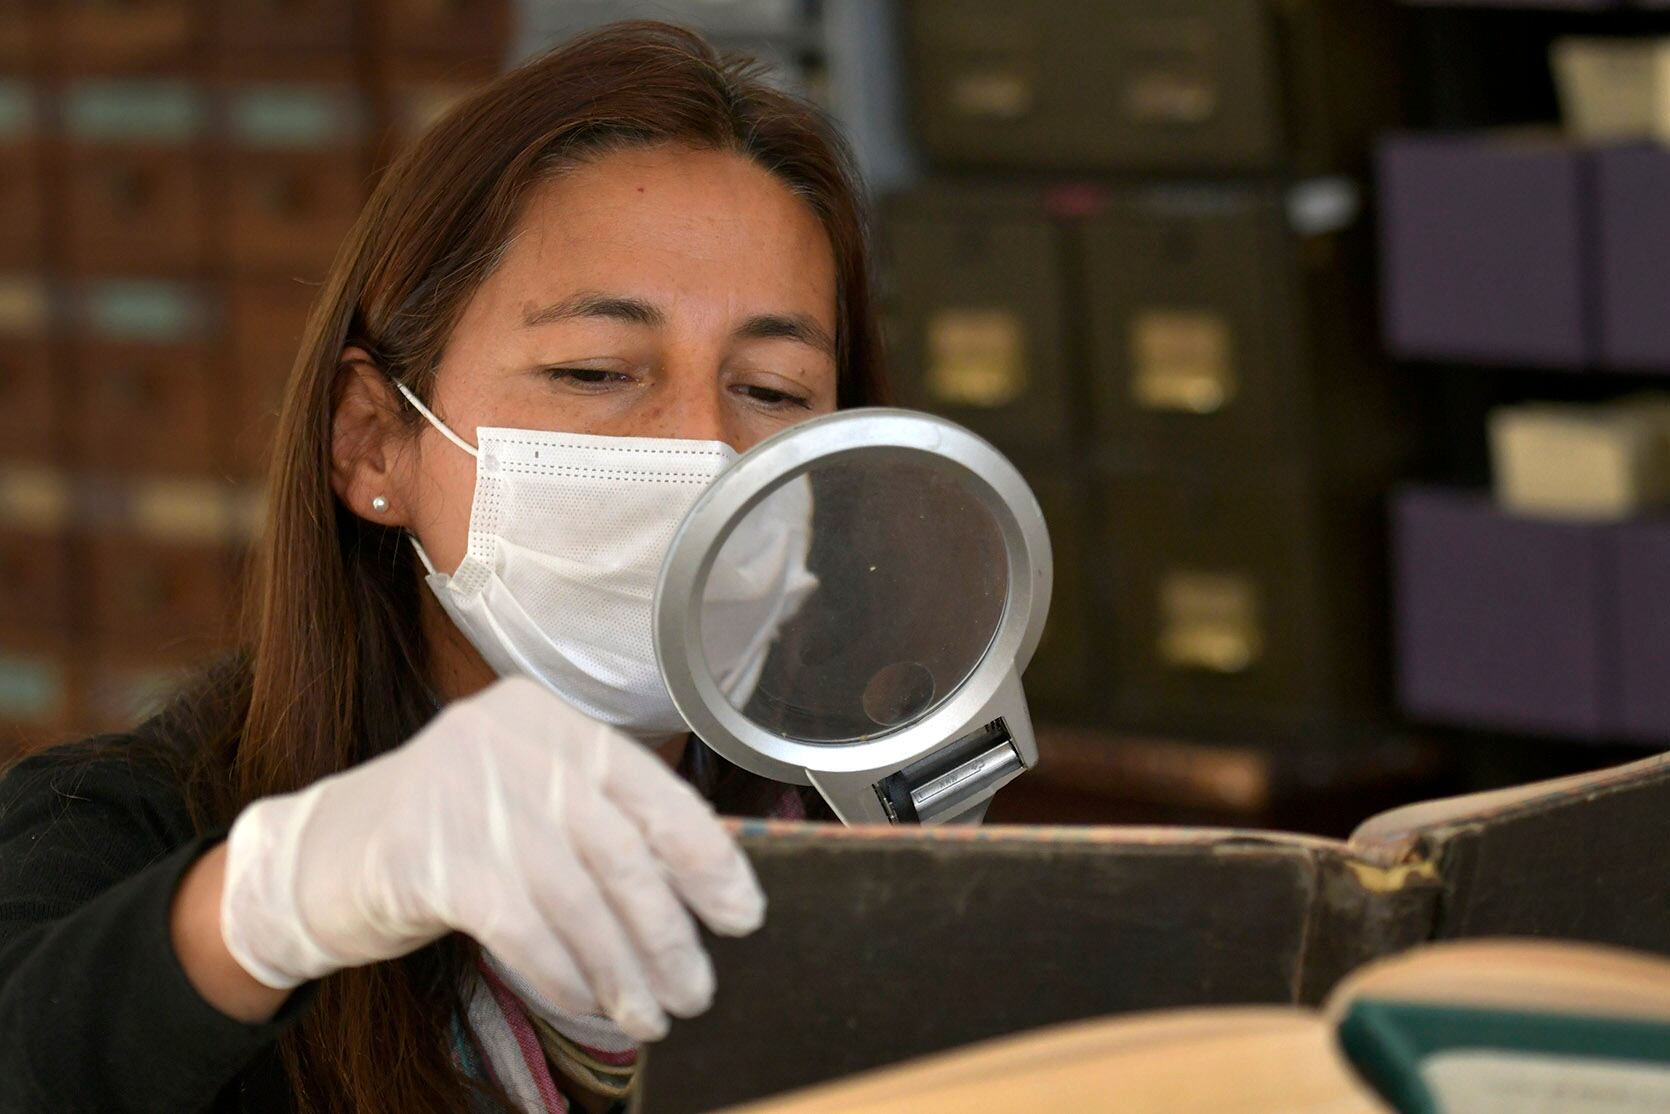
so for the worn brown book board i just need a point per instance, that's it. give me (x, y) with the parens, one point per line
(882, 945)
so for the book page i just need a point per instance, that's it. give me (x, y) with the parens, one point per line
(1492, 1082)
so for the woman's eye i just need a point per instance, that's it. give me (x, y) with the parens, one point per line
(586, 376)
(770, 396)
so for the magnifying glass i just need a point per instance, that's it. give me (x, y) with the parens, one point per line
(850, 606)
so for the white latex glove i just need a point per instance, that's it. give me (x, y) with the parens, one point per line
(564, 847)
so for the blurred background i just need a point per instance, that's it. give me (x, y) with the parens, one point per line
(1328, 333)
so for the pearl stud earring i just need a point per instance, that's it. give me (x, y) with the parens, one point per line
(379, 504)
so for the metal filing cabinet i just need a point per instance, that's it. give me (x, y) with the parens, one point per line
(1203, 355)
(1151, 85)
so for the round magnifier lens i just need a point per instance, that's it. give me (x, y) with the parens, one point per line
(856, 597)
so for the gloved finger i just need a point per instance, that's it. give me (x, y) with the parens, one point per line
(680, 973)
(576, 910)
(706, 867)
(516, 933)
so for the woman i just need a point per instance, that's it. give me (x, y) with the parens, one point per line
(604, 275)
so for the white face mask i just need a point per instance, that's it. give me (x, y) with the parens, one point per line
(567, 535)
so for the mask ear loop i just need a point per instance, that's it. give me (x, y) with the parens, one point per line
(445, 431)
(441, 426)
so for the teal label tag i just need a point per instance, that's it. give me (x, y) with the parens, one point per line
(134, 112)
(17, 111)
(140, 309)
(31, 690)
(289, 116)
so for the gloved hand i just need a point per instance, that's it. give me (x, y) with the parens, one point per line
(565, 848)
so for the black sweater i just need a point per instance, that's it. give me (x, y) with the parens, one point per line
(96, 1013)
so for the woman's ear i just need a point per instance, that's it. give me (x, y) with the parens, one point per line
(369, 441)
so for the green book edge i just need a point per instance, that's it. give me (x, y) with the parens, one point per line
(1386, 1040)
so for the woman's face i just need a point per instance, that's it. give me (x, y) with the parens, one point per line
(665, 292)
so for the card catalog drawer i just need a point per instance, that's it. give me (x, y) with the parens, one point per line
(266, 318)
(141, 371)
(268, 27)
(134, 187)
(296, 174)
(35, 519)
(22, 189)
(455, 28)
(130, 35)
(29, 426)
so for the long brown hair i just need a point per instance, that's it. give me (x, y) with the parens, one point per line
(335, 669)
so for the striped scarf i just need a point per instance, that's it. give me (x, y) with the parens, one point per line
(537, 1053)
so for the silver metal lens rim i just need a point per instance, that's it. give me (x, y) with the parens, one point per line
(790, 454)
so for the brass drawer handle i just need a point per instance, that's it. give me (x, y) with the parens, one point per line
(976, 358)
(1210, 622)
(1182, 361)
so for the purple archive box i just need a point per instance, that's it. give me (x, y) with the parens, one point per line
(1501, 621)
(1486, 249)
(1644, 629)
(1633, 186)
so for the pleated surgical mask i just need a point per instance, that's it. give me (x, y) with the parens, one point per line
(568, 532)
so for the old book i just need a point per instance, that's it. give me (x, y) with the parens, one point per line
(883, 945)
(1388, 1037)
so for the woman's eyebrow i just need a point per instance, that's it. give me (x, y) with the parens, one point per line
(635, 311)
(790, 326)
(590, 303)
